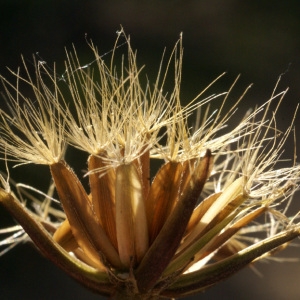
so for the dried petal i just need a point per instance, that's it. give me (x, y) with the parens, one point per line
(103, 196)
(131, 222)
(86, 229)
(164, 193)
(64, 236)
(165, 245)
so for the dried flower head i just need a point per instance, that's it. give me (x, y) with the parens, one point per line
(130, 237)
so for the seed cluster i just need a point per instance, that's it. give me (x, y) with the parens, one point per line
(129, 235)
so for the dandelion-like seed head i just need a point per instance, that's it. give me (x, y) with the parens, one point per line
(33, 132)
(130, 236)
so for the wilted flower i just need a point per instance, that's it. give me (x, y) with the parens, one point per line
(130, 236)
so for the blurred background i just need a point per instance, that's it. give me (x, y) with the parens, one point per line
(258, 39)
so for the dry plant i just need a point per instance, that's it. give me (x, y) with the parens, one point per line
(217, 203)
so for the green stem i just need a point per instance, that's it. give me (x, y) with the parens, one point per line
(88, 276)
(197, 281)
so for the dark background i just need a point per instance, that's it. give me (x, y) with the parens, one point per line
(259, 39)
